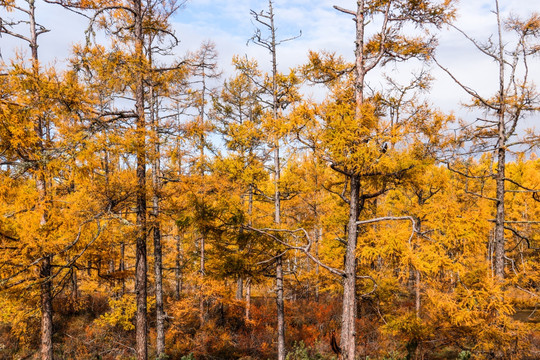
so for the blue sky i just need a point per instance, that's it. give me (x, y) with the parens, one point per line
(229, 24)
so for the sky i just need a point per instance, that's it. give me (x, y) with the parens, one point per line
(229, 25)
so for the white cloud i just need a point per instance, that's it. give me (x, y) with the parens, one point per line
(229, 24)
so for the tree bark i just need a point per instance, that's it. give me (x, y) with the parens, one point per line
(74, 283)
(277, 195)
(348, 326)
(201, 292)
(348, 330)
(501, 161)
(248, 299)
(141, 254)
(46, 310)
(177, 270)
(122, 266)
(318, 237)
(359, 61)
(239, 288)
(41, 185)
(158, 262)
(280, 309)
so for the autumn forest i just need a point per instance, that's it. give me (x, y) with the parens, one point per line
(153, 206)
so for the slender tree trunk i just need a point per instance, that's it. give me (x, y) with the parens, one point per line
(277, 195)
(239, 288)
(177, 270)
(279, 268)
(158, 262)
(122, 266)
(280, 308)
(41, 184)
(348, 330)
(359, 61)
(318, 230)
(46, 310)
(418, 277)
(417, 293)
(141, 254)
(33, 32)
(248, 299)
(349, 314)
(46, 288)
(202, 140)
(501, 162)
(201, 295)
(318, 237)
(74, 283)
(160, 313)
(250, 205)
(248, 280)
(89, 268)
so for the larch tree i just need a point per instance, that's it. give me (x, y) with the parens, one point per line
(205, 71)
(40, 108)
(239, 116)
(131, 26)
(500, 129)
(160, 40)
(41, 128)
(358, 142)
(279, 99)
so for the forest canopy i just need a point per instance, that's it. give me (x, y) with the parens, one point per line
(156, 202)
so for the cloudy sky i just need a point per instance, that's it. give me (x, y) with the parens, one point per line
(229, 25)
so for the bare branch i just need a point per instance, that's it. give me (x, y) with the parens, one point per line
(382, 50)
(305, 249)
(346, 11)
(483, 49)
(470, 91)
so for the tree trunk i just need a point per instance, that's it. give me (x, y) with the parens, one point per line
(318, 237)
(280, 309)
(74, 283)
(141, 255)
(248, 299)
(41, 184)
(160, 313)
(418, 277)
(348, 331)
(348, 327)
(277, 196)
(177, 270)
(158, 262)
(122, 266)
(239, 288)
(201, 289)
(46, 310)
(359, 61)
(500, 214)
(501, 161)
(417, 293)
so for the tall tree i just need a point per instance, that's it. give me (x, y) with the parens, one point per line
(514, 99)
(205, 71)
(239, 115)
(360, 136)
(41, 128)
(266, 19)
(160, 40)
(44, 116)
